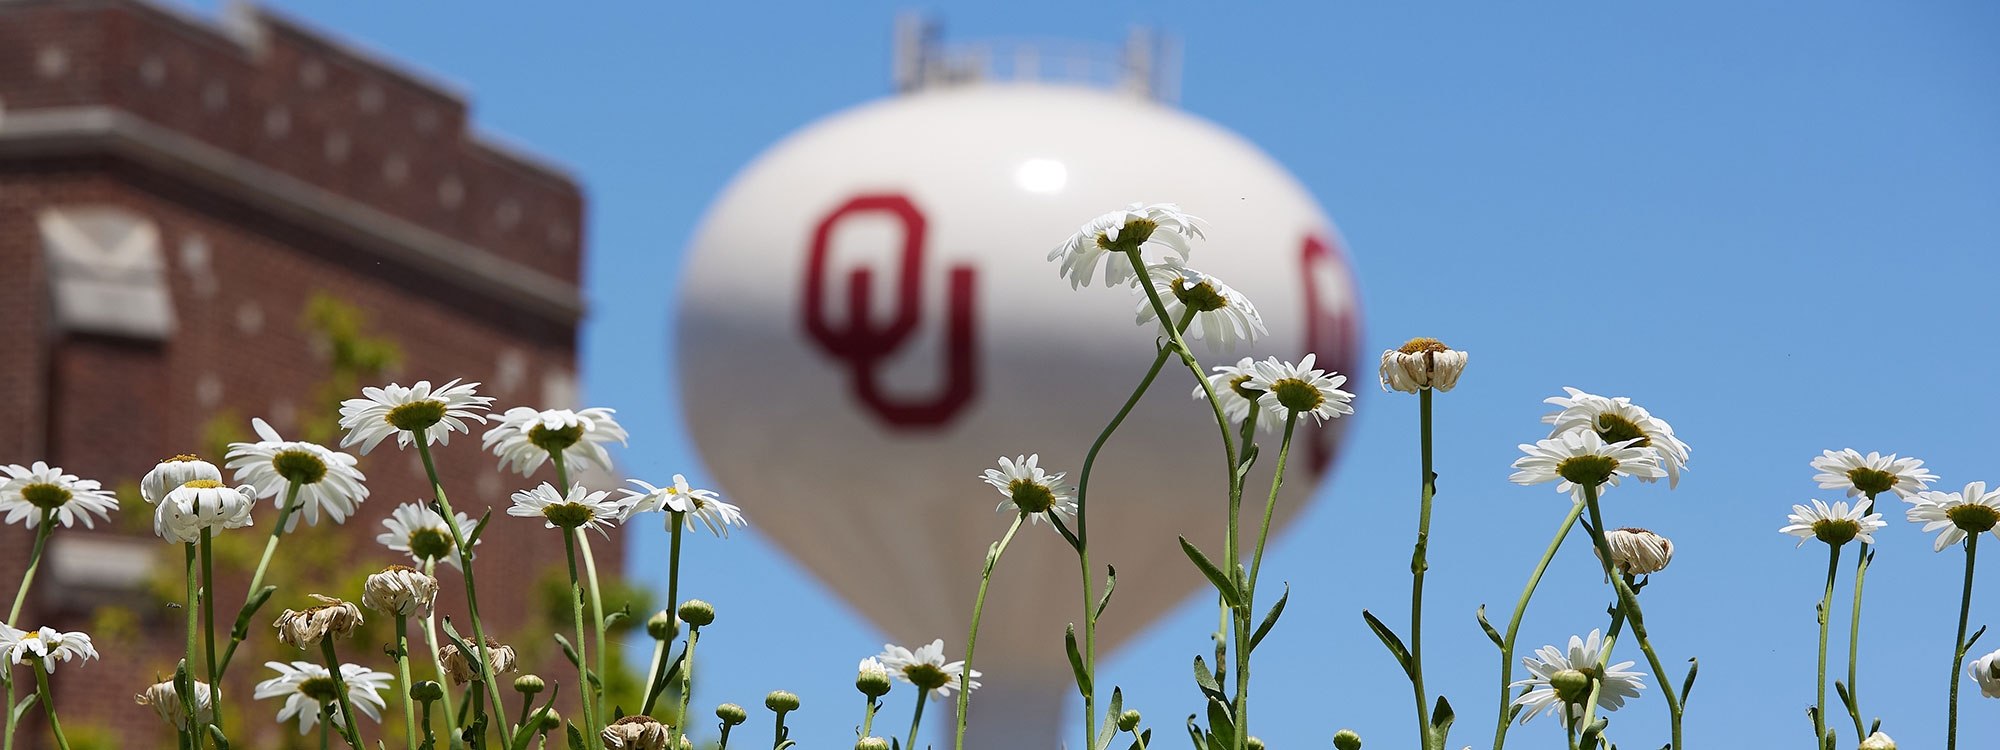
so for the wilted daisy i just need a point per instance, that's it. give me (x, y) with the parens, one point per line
(1422, 363)
(399, 411)
(1836, 524)
(525, 437)
(1299, 389)
(400, 590)
(1113, 234)
(499, 658)
(925, 668)
(1872, 474)
(581, 508)
(306, 687)
(1030, 490)
(1565, 677)
(1231, 384)
(1985, 670)
(203, 505)
(699, 506)
(1638, 552)
(327, 479)
(47, 644)
(635, 732)
(1958, 514)
(170, 474)
(1579, 458)
(307, 627)
(1618, 420)
(29, 491)
(1223, 316)
(423, 534)
(165, 700)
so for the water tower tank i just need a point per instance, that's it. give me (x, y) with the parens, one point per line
(867, 321)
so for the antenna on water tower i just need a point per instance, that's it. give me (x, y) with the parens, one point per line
(1147, 65)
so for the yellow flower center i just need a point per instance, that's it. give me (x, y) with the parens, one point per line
(1241, 385)
(556, 440)
(1031, 496)
(926, 676)
(1589, 471)
(299, 467)
(416, 415)
(1973, 518)
(1297, 395)
(568, 515)
(322, 689)
(1202, 297)
(1134, 234)
(430, 544)
(1421, 345)
(1871, 481)
(182, 458)
(1617, 429)
(203, 484)
(46, 496)
(1835, 531)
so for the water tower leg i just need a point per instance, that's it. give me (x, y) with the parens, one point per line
(1011, 715)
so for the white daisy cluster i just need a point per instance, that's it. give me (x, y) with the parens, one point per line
(1595, 441)
(926, 668)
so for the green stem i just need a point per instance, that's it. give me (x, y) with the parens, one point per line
(1854, 639)
(464, 552)
(582, 658)
(1825, 603)
(48, 704)
(596, 608)
(1958, 652)
(350, 721)
(403, 679)
(263, 564)
(1603, 658)
(656, 683)
(325, 724)
(1628, 604)
(867, 715)
(972, 636)
(208, 619)
(196, 728)
(453, 738)
(915, 719)
(679, 727)
(1271, 504)
(7, 739)
(1514, 624)
(1420, 564)
(42, 532)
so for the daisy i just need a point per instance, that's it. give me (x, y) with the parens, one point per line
(581, 508)
(327, 479)
(1231, 384)
(499, 658)
(306, 687)
(1618, 420)
(1133, 228)
(170, 474)
(1422, 363)
(422, 534)
(1878, 741)
(400, 411)
(1872, 474)
(635, 732)
(47, 644)
(925, 668)
(165, 700)
(871, 678)
(1958, 513)
(28, 492)
(526, 437)
(309, 626)
(1289, 389)
(1639, 552)
(1222, 317)
(1835, 525)
(1581, 657)
(698, 505)
(203, 504)
(1581, 458)
(1985, 670)
(1030, 490)
(400, 589)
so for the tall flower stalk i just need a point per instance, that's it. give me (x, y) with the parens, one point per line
(1506, 712)
(1835, 525)
(1960, 646)
(460, 545)
(1958, 516)
(1628, 603)
(1870, 476)
(972, 636)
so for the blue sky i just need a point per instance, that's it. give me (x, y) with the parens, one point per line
(1774, 228)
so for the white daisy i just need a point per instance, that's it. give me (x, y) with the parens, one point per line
(580, 508)
(1617, 420)
(1872, 474)
(170, 474)
(306, 687)
(203, 504)
(1836, 524)
(400, 411)
(400, 589)
(1985, 670)
(1972, 511)
(47, 644)
(422, 534)
(525, 437)
(1229, 382)
(1638, 551)
(1422, 363)
(1878, 741)
(28, 491)
(1223, 316)
(1300, 388)
(1030, 490)
(703, 506)
(1582, 656)
(1135, 227)
(165, 700)
(1580, 457)
(309, 626)
(327, 479)
(926, 668)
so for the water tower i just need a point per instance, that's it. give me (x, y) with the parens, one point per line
(867, 321)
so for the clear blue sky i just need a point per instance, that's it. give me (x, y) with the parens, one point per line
(1773, 224)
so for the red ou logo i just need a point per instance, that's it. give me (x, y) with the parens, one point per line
(862, 344)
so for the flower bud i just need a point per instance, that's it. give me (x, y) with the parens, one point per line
(1255, 744)
(528, 684)
(781, 701)
(661, 626)
(1346, 739)
(426, 691)
(731, 714)
(872, 743)
(1128, 721)
(1878, 741)
(872, 679)
(551, 721)
(697, 613)
(172, 474)
(1571, 685)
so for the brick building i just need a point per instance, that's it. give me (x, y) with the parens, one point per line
(173, 191)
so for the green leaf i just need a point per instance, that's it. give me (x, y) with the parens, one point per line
(611, 619)
(1214, 574)
(1195, 733)
(1083, 685)
(1270, 618)
(256, 602)
(221, 740)
(1590, 733)
(473, 538)
(575, 737)
(1441, 718)
(1488, 627)
(1687, 685)
(1110, 582)
(1206, 681)
(1221, 727)
(1389, 639)
(1067, 535)
(21, 709)
(529, 728)
(1243, 467)
(1975, 637)
(1110, 728)
(1144, 741)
